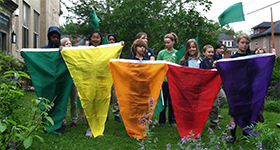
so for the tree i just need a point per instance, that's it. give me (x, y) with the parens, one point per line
(155, 17)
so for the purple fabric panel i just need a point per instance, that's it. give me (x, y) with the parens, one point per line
(245, 82)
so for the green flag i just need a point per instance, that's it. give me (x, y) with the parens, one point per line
(51, 80)
(94, 22)
(181, 52)
(105, 41)
(160, 104)
(232, 14)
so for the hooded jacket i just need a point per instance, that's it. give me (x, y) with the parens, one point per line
(121, 56)
(50, 43)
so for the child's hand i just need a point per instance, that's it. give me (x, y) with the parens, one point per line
(214, 64)
(60, 48)
(122, 42)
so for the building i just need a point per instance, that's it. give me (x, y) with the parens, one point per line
(229, 42)
(28, 22)
(262, 36)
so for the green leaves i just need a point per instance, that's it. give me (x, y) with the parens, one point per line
(3, 127)
(28, 142)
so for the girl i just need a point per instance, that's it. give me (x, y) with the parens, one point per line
(168, 54)
(65, 42)
(138, 49)
(95, 39)
(191, 57)
(150, 53)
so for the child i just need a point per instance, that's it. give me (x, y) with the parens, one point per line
(114, 101)
(168, 54)
(207, 63)
(259, 50)
(95, 39)
(219, 50)
(138, 49)
(242, 42)
(54, 35)
(150, 53)
(73, 95)
(191, 57)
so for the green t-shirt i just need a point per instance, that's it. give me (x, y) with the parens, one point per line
(168, 56)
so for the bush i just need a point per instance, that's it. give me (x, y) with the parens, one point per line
(8, 62)
(272, 106)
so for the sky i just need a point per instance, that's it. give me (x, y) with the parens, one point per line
(251, 20)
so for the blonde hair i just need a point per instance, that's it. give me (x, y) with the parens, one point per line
(188, 46)
(243, 35)
(206, 47)
(172, 36)
(138, 43)
(64, 40)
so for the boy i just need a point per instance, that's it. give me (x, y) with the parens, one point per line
(139, 48)
(207, 63)
(54, 35)
(242, 42)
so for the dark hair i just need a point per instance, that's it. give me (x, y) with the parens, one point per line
(218, 45)
(137, 43)
(92, 34)
(140, 34)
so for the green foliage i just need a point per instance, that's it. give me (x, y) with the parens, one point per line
(155, 17)
(275, 77)
(8, 62)
(272, 106)
(12, 133)
(267, 138)
(2, 2)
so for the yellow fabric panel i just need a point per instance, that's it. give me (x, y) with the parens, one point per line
(89, 69)
(135, 84)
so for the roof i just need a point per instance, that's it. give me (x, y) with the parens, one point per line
(224, 37)
(268, 31)
(263, 25)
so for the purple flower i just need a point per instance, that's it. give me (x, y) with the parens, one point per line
(155, 122)
(144, 114)
(168, 146)
(210, 130)
(151, 101)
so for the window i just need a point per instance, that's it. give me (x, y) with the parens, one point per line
(25, 26)
(227, 43)
(36, 29)
(3, 42)
(256, 42)
(264, 43)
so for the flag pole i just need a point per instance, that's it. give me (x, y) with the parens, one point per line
(272, 33)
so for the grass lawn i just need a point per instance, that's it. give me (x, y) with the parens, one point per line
(115, 136)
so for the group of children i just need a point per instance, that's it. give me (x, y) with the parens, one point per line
(140, 51)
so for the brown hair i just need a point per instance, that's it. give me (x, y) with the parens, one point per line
(138, 43)
(259, 48)
(206, 47)
(140, 34)
(188, 46)
(172, 36)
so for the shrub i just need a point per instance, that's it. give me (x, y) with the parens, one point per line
(272, 106)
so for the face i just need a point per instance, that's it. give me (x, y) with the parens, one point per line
(54, 37)
(145, 38)
(95, 39)
(259, 51)
(111, 39)
(209, 53)
(140, 50)
(68, 43)
(192, 50)
(168, 43)
(220, 50)
(243, 45)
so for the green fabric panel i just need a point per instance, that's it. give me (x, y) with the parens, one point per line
(51, 80)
